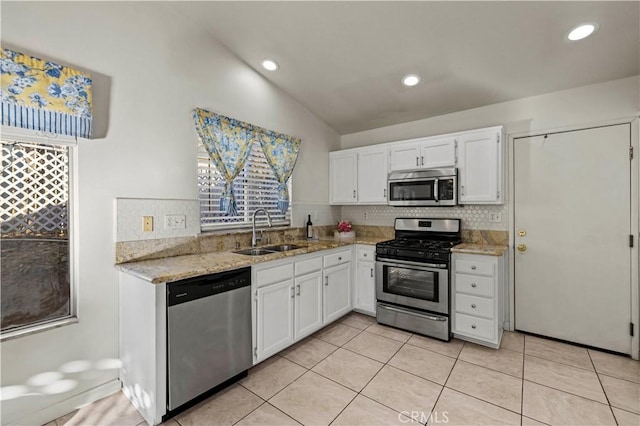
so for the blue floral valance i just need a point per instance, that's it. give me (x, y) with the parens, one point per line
(228, 142)
(41, 95)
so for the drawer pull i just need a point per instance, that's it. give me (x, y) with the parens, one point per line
(339, 259)
(474, 285)
(473, 267)
(473, 305)
(365, 255)
(473, 326)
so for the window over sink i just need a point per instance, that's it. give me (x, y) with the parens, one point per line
(255, 187)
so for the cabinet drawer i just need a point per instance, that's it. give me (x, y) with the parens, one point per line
(337, 258)
(474, 285)
(307, 266)
(473, 305)
(476, 327)
(479, 267)
(367, 254)
(275, 274)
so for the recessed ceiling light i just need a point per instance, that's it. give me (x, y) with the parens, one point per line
(411, 80)
(582, 31)
(269, 64)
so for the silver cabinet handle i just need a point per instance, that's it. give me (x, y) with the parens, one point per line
(473, 305)
(371, 272)
(417, 161)
(354, 193)
(326, 280)
(298, 288)
(293, 293)
(385, 193)
(473, 285)
(339, 259)
(422, 161)
(365, 254)
(473, 326)
(473, 267)
(461, 189)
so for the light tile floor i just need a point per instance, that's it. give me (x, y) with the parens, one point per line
(356, 372)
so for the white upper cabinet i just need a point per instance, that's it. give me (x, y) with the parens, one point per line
(428, 153)
(372, 175)
(404, 156)
(343, 177)
(438, 152)
(480, 167)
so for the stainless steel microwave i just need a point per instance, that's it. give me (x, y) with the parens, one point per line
(432, 187)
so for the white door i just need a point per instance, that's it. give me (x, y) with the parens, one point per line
(372, 176)
(308, 309)
(366, 287)
(572, 216)
(274, 318)
(404, 156)
(337, 292)
(439, 152)
(343, 178)
(479, 167)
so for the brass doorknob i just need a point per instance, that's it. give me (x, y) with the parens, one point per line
(522, 233)
(522, 247)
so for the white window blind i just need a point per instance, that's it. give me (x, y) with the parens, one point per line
(255, 187)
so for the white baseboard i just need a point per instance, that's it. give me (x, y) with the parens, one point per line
(68, 405)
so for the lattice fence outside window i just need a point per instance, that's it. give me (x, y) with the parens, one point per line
(35, 190)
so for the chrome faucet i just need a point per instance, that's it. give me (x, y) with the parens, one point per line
(254, 239)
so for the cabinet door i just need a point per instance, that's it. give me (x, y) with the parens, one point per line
(366, 287)
(404, 156)
(337, 292)
(308, 306)
(372, 176)
(343, 177)
(438, 152)
(479, 167)
(274, 318)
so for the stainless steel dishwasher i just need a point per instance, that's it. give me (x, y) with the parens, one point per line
(208, 334)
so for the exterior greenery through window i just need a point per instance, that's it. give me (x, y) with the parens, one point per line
(35, 256)
(255, 187)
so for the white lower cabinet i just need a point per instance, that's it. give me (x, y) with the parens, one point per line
(297, 296)
(308, 304)
(477, 288)
(365, 281)
(337, 292)
(274, 318)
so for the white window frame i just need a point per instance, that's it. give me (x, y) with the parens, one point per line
(208, 227)
(36, 137)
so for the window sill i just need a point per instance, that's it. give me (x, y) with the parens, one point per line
(223, 230)
(38, 328)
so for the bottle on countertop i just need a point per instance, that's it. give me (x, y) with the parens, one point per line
(309, 228)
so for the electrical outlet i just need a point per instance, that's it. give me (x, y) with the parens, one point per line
(495, 217)
(175, 221)
(365, 215)
(147, 223)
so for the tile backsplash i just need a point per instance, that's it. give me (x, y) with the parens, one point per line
(473, 217)
(130, 211)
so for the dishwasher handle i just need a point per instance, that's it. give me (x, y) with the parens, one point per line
(207, 285)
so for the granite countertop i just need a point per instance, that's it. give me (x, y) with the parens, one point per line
(486, 249)
(179, 267)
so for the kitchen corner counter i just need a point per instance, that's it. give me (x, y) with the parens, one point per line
(180, 267)
(485, 249)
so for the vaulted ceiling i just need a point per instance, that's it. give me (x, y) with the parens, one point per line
(344, 60)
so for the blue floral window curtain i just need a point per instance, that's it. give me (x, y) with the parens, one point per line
(41, 95)
(228, 142)
(281, 152)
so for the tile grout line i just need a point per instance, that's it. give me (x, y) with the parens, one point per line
(603, 389)
(563, 363)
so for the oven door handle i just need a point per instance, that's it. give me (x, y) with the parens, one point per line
(435, 191)
(415, 314)
(392, 262)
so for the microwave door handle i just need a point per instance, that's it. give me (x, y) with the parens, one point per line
(435, 190)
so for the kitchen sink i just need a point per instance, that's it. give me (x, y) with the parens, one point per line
(255, 251)
(259, 251)
(283, 247)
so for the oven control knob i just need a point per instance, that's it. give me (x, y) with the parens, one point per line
(422, 254)
(396, 252)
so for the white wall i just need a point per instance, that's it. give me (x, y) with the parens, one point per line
(585, 105)
(155, 66)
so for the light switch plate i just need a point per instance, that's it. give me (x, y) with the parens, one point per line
(147, 223)
(175, 221)
(495, 217)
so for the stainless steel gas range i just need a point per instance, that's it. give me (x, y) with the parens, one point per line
(412, 276)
